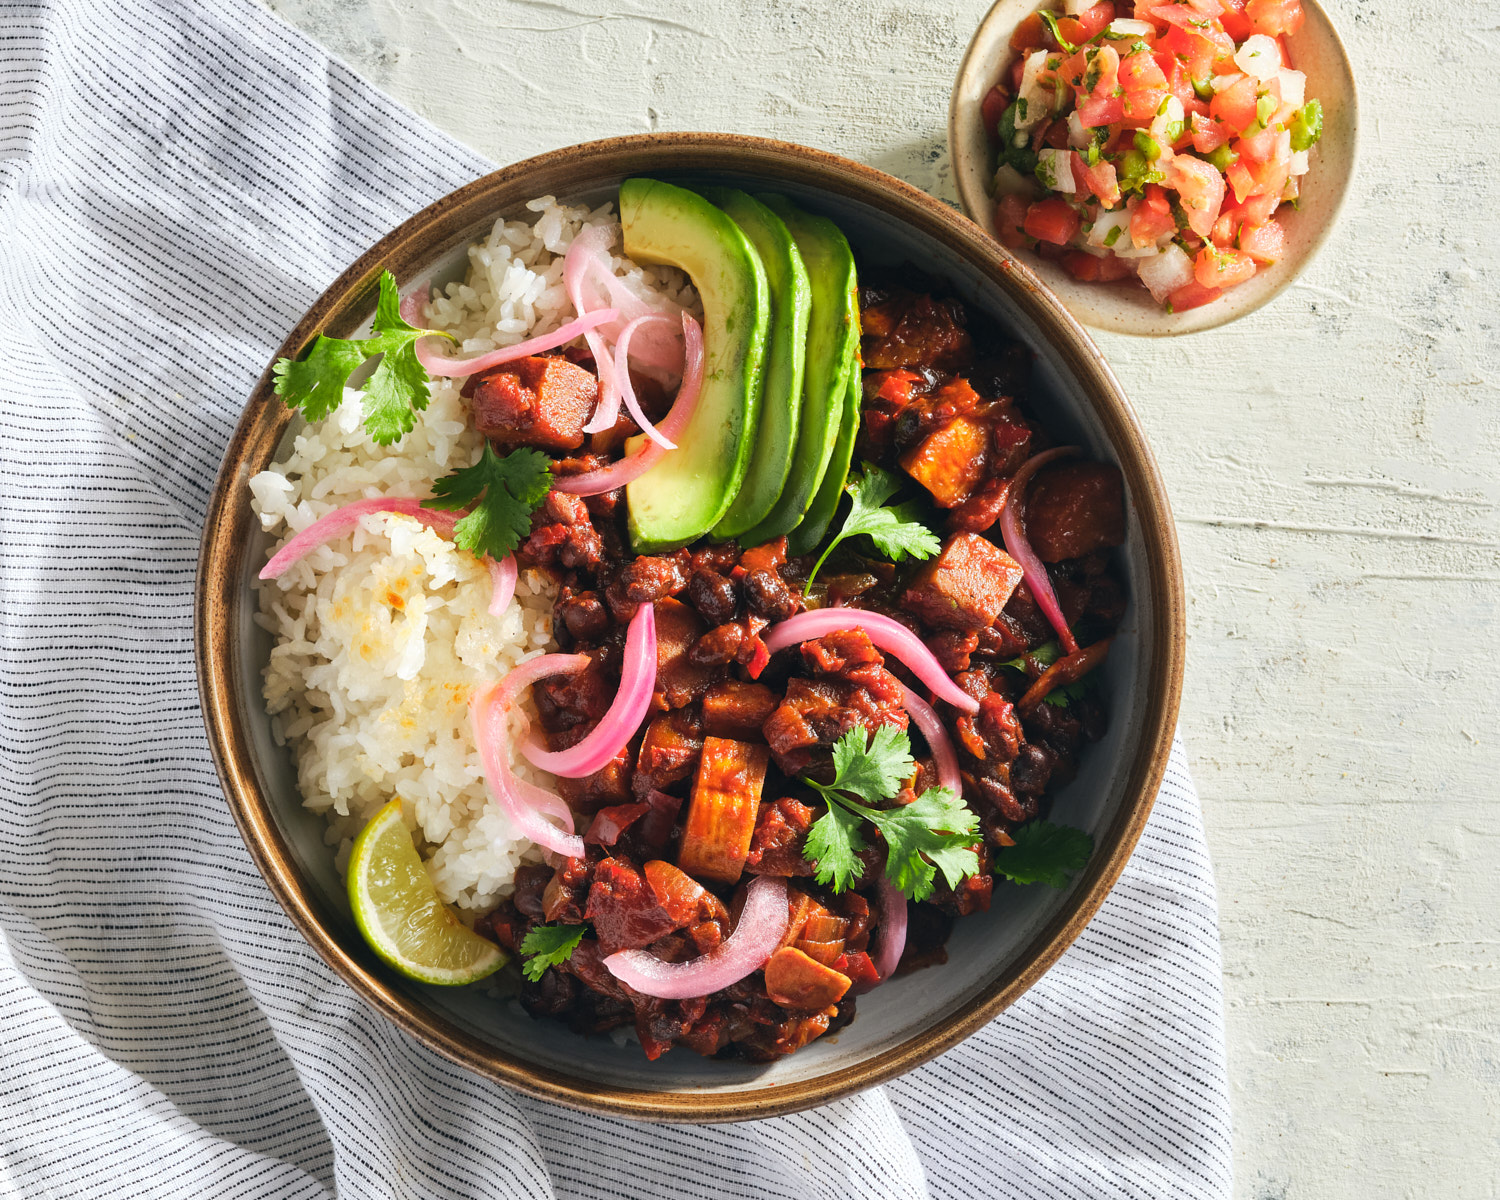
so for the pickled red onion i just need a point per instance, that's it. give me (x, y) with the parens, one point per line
(761, 927)
(627, 389)
(887, 634)
(626, 712)
(503, 580)
(1020, 549)
(587, 246)
(524, 803)
(438, 364)
(623, 471)
(892, 928)
(938, 741)
(341, 520)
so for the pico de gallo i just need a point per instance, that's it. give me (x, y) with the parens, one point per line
(1153, 141)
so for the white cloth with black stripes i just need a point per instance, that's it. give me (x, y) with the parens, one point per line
(178, 181)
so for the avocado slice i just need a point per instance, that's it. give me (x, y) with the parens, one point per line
(689, 491)
(809, 533)
(786, 351)
(832, 336)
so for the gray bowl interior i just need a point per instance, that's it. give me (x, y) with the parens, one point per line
(982, 946)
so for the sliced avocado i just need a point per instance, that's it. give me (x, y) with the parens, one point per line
(689, 491)
(832, 334)
(814, 524)
(781, 393)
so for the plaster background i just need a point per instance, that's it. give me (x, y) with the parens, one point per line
(1332, 463)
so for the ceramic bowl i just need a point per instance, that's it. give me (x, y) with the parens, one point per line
(1127, 307)
(993, 957)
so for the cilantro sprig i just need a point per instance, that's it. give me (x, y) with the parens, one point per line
(933, 833)
(394, 393)
(503, 491)
(1044, 853)
(548, 946)
(894, 530)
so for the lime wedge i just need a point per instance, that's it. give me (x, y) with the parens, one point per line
(398, 910)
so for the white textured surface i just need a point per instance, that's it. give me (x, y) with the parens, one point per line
(1332, 461)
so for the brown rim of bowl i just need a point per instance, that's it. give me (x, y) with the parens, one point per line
(350, 300)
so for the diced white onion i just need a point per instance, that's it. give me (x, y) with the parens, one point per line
(1164, 273)
(1172, 113)
(1293, 87)
(1107, 222)
(1055, 169)
(1076, 8)
(1299, 162)
(1010, 182)
(1222, 83)
(1259, 56)
(1078, 136)
(1037, 106)
(1123, 27)
(1125, 249)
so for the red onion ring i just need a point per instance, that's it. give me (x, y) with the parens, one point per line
(414, 302)
(342, 520)
(523, 803)
(627, 389)
(1016, 545)
(626, 712)
(887, 634)
(892, 928)
(438, 364)
(756, 936)
(586, 250)
(938, 741)
(632, 467)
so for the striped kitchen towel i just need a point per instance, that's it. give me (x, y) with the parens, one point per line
(178, 181)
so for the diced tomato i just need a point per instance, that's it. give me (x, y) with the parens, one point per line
(1236, 23)
(1142, 106)
(1052, 220)
(1239, 178)
(1090, 22)
(1101, 110)
(1256, 210)
(1056, 135)
(1029, 33)
(1264, 243)
(1141, 70)
(1201, 188)
(1257, 147)
(1010, 217)
(1157, 199)
(1102, 180)
(1192, 295)
(1017, 73)
(1235, 105)
(1089, 268)
(1274, 17)
(1186, 17)
(1222, 268)
(1196, 53)
(1225, 230)
(994, 104)
(1176, 76)
(1147, 223)
(1208, 134)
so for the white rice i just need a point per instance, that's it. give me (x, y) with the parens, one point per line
(383, 635)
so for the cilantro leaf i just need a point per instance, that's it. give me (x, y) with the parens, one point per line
(1050, 20)
(394, 393)
(1065, 695)
(876, 771)
(895, 531)
(934, 831)
(1044, 853)
(547, 946)
(832, 844)
(315, 384)
(503, 491)
(1043, 656)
